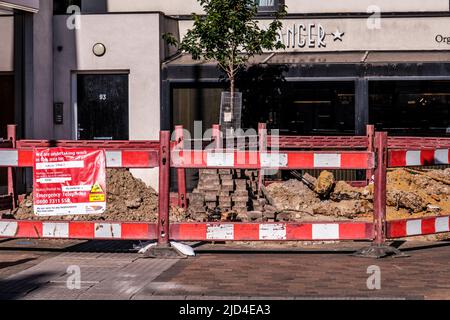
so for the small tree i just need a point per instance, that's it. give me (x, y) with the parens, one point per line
(229, 34)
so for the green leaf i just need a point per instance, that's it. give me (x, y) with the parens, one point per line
(229, 34)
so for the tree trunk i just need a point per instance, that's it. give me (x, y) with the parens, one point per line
(232, 89)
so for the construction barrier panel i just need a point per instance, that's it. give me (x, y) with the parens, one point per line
(376, 153)
(119, 154)
(261, 159)
(272, 231)
(321, 143)
(416, 152)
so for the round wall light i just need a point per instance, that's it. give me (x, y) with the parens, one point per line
(99, 49)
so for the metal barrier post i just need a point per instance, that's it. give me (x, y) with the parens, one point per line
(11, 132)
(379, 196)
(163, 248)
(181, 172)
(370, 147)
(379, 249)
(164, 190)
(262, 147)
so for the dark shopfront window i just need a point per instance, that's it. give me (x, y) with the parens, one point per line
(317, 108)
(297, 108)
(417, 108)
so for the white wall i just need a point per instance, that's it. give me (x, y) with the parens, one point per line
(393, 34)
(132, 43)
(186, 7)
(324, 6)
(169, 7)
(6, 43)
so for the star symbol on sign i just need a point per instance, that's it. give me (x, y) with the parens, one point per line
(338, 35)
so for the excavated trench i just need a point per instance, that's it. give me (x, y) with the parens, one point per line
(410, 194)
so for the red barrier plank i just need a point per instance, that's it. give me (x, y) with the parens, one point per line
(81, 230)
(356, 231)
(137, 231)
(25, 158)
(77, 230)
(188, 231)
(299, 231)
(281, 160)
(396, 229)
(133, 159)
(246, 232)
(397, 158)
(29, 229)
(225, 231)
(423, 157)
(416, 227)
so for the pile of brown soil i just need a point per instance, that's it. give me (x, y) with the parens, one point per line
(128, 199)
(410, 194)
(321, 199)
(414, 194)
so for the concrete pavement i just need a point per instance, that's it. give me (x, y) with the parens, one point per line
(221, 272)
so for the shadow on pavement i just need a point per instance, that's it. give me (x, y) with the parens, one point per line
(201, 247)
(9, 264)
(105, 246)
(19, 287)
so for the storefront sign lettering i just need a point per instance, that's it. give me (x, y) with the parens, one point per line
(307, 36)
(442, 39)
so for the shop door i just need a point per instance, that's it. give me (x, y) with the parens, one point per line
(102, 107)
(6, 116)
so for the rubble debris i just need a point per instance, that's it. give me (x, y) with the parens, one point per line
(232, 195)
(405, 199)
(344, 191)
(416, 192)
(324, 183)
(309, 180)
(346, 208)
(409, 195)
(128, 199)
(291, 195)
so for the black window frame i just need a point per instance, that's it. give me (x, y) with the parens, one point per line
(60, 6)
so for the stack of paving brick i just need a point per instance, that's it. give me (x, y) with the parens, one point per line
(219, 191)
(225, 194)
(261, 211)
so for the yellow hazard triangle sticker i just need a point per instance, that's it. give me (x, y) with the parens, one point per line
(96, 188)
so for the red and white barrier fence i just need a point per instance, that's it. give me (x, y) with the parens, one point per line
(279, 160)
(418, 151)
(114, 158)
(417, 227)
(78, 230)
(125, 154)
(219, 231)
(372, 155)
(222, 231)
(424, 157)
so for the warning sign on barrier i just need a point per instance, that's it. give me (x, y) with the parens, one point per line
(69, 181)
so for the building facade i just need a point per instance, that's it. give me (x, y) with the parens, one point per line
(99, 69)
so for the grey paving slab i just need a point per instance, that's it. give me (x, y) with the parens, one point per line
(103, 276)
(232, 276)
(131, 279)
